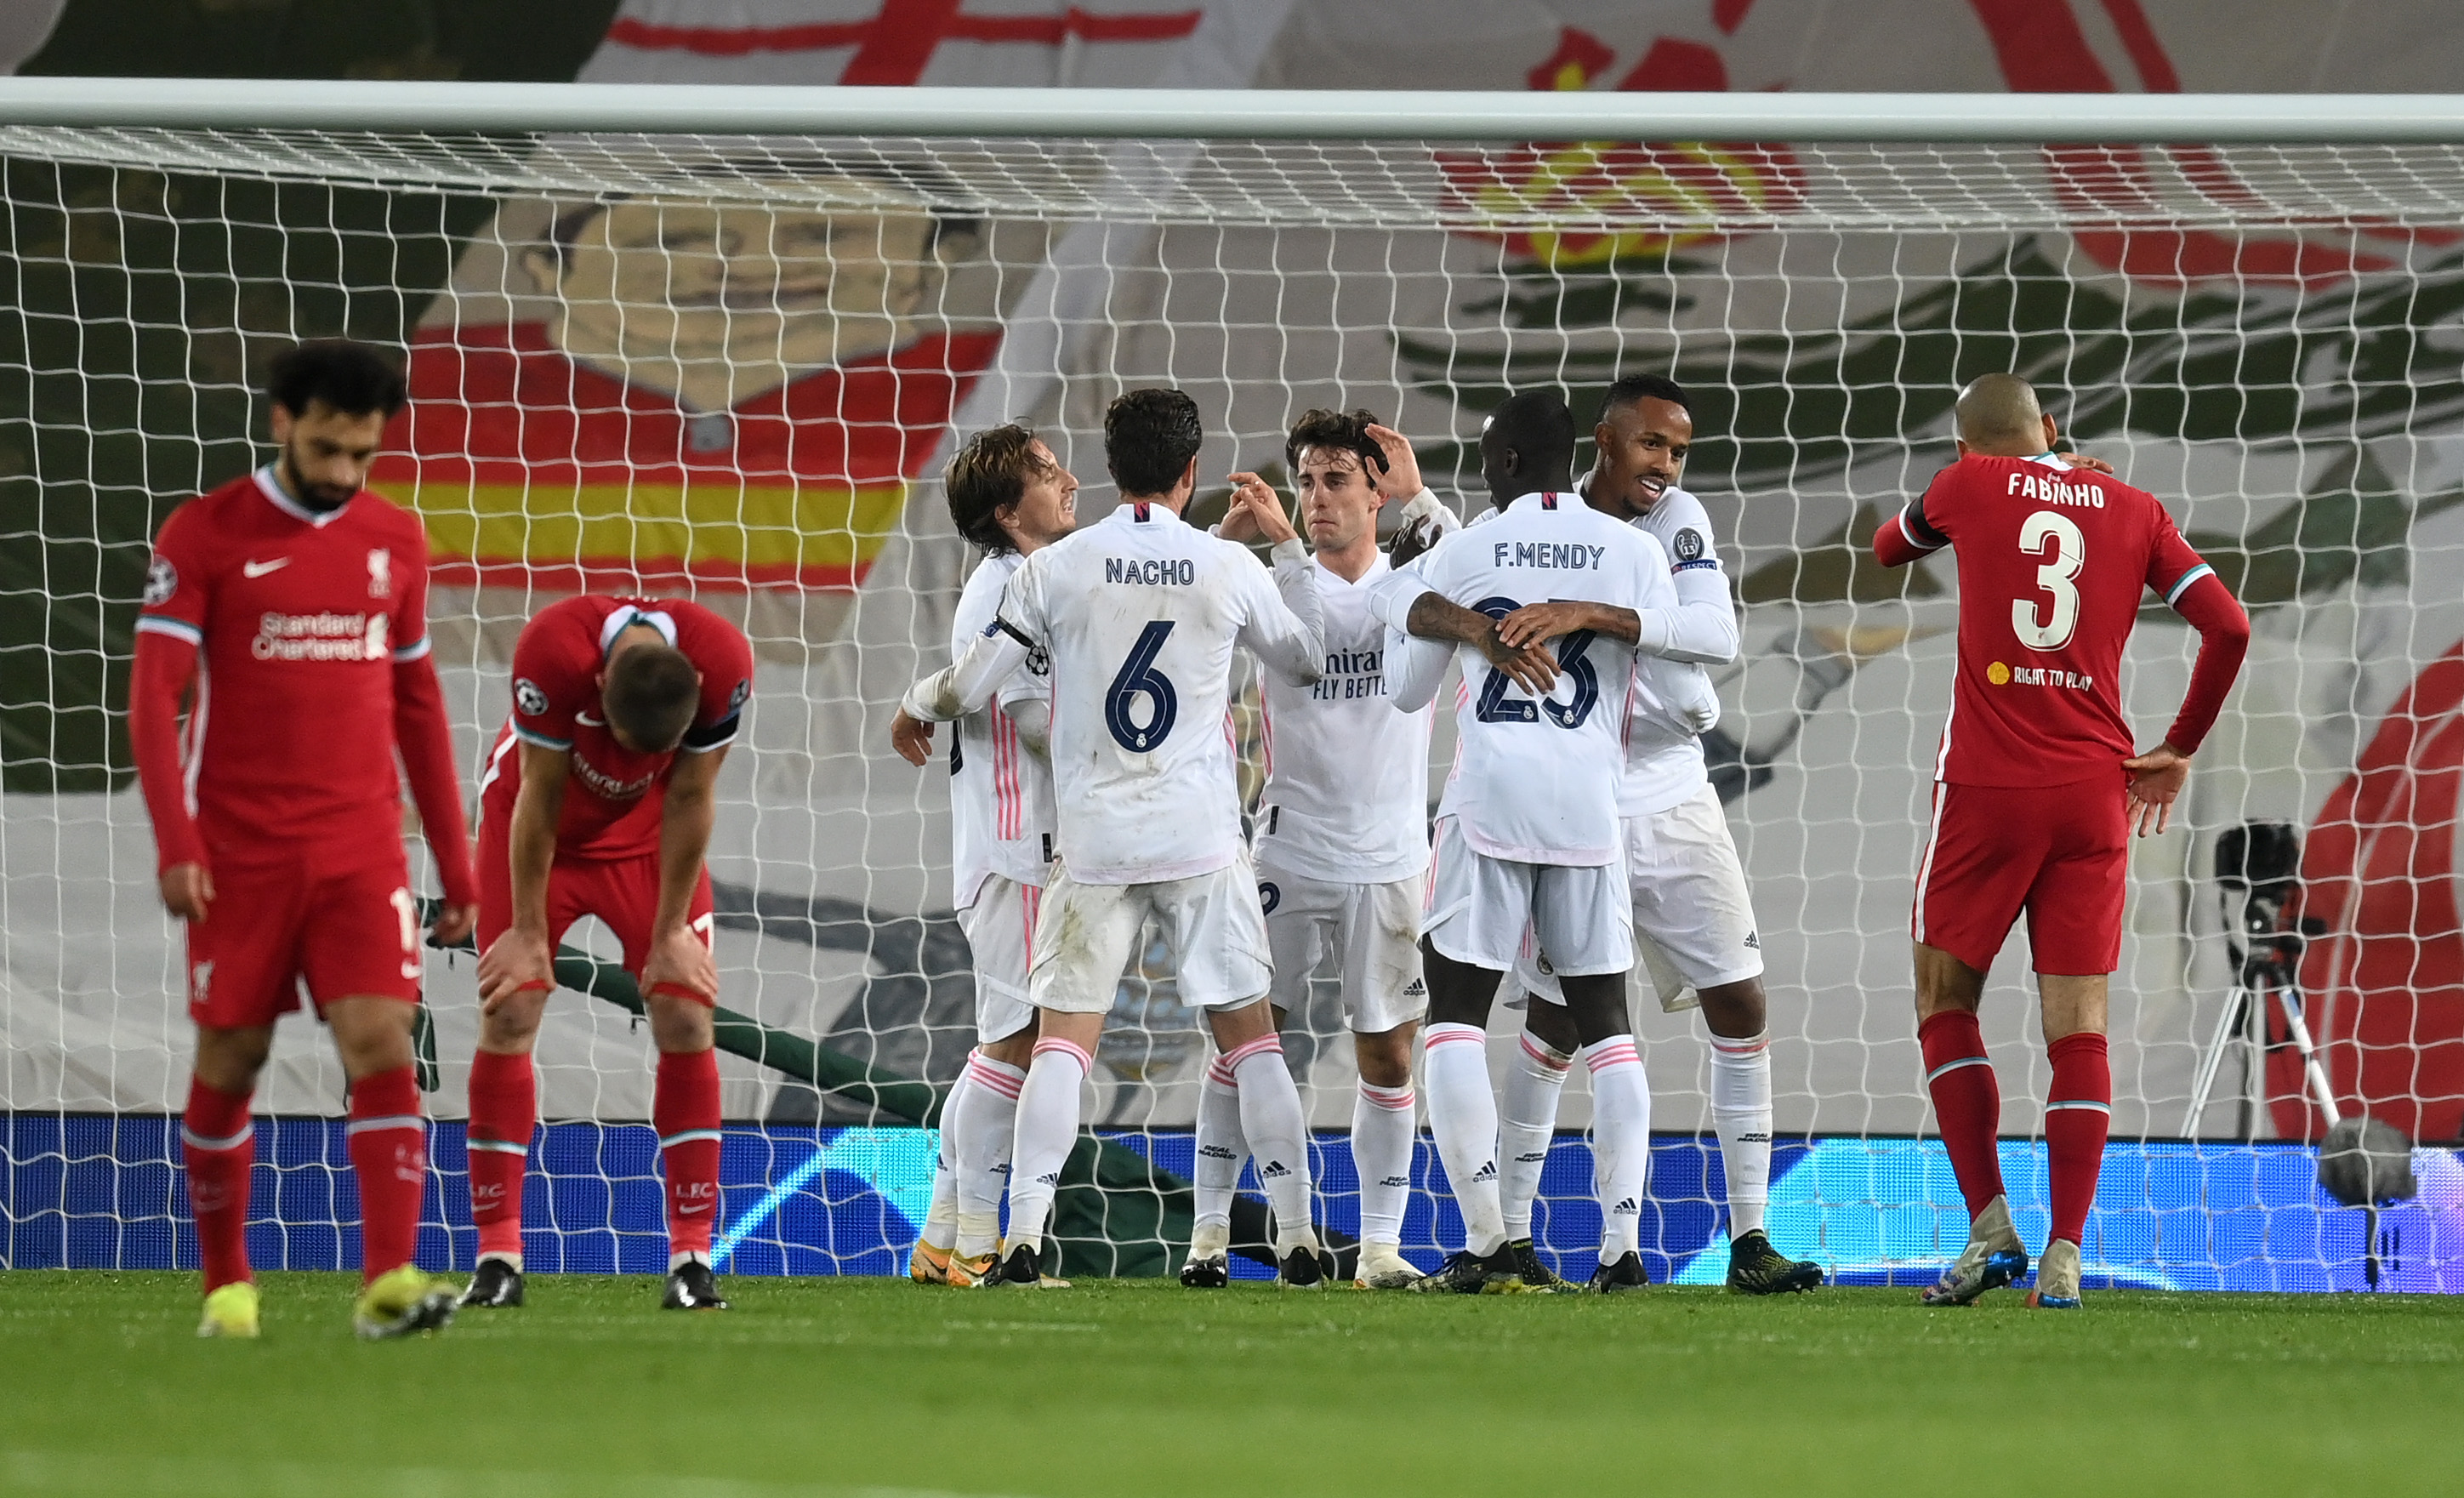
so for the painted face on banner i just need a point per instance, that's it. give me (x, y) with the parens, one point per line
(656, 281)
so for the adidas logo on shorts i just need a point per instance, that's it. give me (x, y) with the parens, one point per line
(1487, 1171)
(1754, 941)
(1416, 989)
(1625, 1208)
(1274, 1170)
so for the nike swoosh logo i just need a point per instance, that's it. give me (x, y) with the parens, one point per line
(689, 1209)
(258, 569)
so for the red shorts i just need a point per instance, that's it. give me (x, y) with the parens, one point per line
(341, 921)
(2056, 851)
(623, 892)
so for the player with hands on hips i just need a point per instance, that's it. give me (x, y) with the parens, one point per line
(2037, 791)
(1138, 616)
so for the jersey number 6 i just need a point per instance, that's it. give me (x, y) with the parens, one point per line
(1138, 678)
(2070, 554)
(1573, 657)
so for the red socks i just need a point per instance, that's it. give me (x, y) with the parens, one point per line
(219, 1144)
(1967, 1103)
(685, 1110)
(505, 1109)
(389, 1152)
(2078, 1112)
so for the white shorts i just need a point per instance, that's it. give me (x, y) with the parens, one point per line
(1691, 908)
(1481, 910)
(1372, 929)
(1088, 932)
(1001, 933)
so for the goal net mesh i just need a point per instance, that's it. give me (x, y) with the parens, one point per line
(731, 368)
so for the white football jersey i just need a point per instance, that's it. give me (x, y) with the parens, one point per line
(1663, 766)
(1000, 792)
(1347, 770)
(1537, 781)
(1139, 614)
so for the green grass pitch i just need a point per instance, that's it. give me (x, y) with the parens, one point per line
(880, 1387)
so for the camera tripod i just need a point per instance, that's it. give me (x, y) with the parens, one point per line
(2260, 863)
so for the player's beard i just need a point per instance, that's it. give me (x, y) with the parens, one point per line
(318, 497)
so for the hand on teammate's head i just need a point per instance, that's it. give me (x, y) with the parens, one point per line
(2094, 465)
(1399, 476)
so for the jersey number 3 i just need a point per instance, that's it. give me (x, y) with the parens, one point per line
(1139, 678)
(2043, 530)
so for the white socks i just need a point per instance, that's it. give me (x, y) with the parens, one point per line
(1270, 1116)
(1620, 1142)
(1462, 1115)
(1047, 1127)
(1741, 1110)
(942, 1219)
(979, 1124)
(1381, 1152)
(1221, 1145)
(1527, 1120)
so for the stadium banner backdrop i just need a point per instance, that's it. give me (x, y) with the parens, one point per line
(99, 1192)
(749, 403)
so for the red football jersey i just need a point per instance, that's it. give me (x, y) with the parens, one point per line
(613, 799)
(298, 619)
(2052, 563)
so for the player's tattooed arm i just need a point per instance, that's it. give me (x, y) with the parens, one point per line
(1436, 617)
(1534, 622)
(520, 960)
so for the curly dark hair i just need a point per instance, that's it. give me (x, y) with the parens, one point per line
(992, 469)
(346, 377)
(1149, 439)
(1336, 432)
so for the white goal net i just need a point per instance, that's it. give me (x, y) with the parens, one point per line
(728, 367)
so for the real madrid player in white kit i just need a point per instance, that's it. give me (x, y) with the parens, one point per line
(1341, 844)
(1528, 837)
(1139, 615)
(1011, 497)
(1692, 913)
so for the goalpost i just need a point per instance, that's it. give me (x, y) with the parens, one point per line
(680, 340)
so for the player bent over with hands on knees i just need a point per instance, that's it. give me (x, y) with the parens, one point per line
(1011, 497)
(296, 602)
(1138, 616)
(1338, 842)
(1528, 840)
(2036, 791)
(598, 799)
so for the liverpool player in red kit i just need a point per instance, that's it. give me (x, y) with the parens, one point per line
(296, 603)
(622, 711)
(2037, 790)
